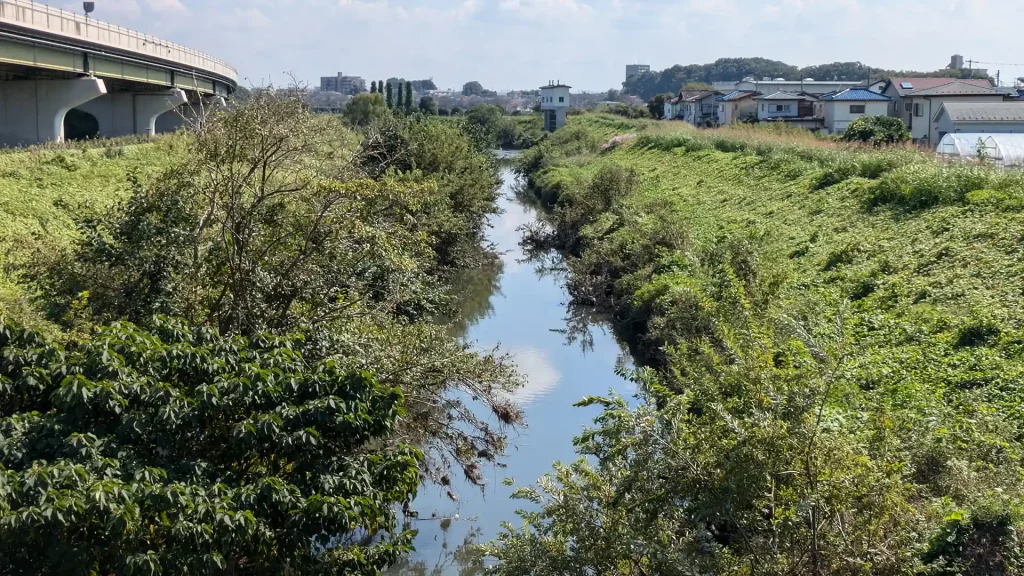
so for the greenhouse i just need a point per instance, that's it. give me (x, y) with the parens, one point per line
(1003, 150)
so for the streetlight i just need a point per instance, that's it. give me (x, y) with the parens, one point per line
(88, 7)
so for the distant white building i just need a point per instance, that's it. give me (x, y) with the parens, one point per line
(554, 103)
(841, 108)
(809, 85)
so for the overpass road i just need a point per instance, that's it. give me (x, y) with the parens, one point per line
(62, 72)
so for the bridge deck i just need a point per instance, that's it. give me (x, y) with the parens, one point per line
(37, 35)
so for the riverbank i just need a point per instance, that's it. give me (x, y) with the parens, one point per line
(41, 189)
(834, 343)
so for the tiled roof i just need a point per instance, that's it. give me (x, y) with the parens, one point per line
(984, 111)
(694, 96)
(855, 94)
(737, 95)
(783, 96)
(913, 84)
(956, 88)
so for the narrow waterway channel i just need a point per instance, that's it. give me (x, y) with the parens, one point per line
(525, 317)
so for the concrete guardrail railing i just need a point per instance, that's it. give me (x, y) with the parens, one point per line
(52, 21)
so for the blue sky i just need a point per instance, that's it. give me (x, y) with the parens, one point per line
(585, 43)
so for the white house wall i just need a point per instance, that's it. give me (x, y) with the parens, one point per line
(838, 115)
(924, 126)
(764, 109)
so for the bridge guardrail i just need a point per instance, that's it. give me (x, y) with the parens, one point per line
(41, 17)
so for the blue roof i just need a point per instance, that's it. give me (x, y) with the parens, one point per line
(736, 95)
(858, 94)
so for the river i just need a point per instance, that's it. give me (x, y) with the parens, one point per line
(526, 317)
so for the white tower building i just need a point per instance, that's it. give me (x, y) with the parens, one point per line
(554, 103)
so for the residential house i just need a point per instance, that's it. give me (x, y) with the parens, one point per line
(916, 100)
(841, 108)
(783, 105)
(672, 108)
(736, 106)
(878, 86)
(980, 118)
(699, 108)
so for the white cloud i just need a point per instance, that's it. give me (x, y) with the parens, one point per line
(586, 43)
(168, 7)
(545, 10)
(541, 375)
(253, 18)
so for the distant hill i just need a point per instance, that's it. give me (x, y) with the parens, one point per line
(672, 79)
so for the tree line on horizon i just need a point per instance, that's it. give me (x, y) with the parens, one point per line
(649, 84)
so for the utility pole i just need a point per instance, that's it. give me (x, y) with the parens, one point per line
(970, 68)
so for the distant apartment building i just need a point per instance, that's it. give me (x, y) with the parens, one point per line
(342, 84)
(634, 69)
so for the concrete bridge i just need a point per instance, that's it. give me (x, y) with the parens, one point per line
(63, 71)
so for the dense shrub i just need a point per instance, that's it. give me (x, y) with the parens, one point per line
(823, 388)
(178, 451)
(877, 130)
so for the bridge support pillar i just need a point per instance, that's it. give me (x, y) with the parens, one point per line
(190, 114)
(32, 111)
(124, 113)
(149, 106)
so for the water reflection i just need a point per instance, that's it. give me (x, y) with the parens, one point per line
(464, 560)
(520, 308)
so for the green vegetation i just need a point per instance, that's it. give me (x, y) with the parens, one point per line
(877, 130)
(656, 105)
(408, 98)
(428, 105)
(364, 109)
(496, 130)
(243, 369)
(42, 189)
(178, 451)
(829, 341)
(472, 88)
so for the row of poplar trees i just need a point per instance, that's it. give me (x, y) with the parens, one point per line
(404, 101)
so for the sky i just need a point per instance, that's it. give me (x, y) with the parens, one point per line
(506, 44)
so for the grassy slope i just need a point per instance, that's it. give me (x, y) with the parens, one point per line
(39, 189)
(960, 257)
(925, 263)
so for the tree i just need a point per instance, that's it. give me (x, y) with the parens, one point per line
(373, 87)
(878, 130)
(363, 109)
(656, 105)
(178, 451)
(428, 105)
(613, 95)
(307, 227)
(473, 88)
(390, 96)
(400, 103)
(408, 98)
